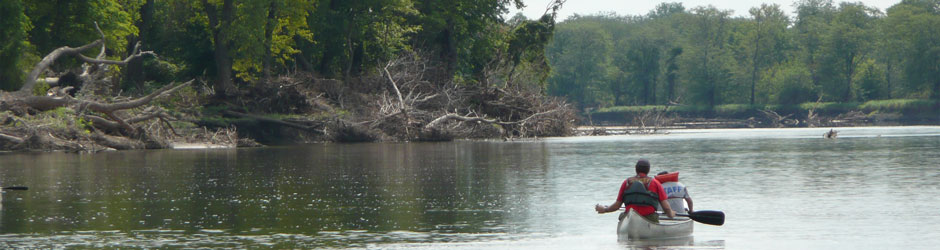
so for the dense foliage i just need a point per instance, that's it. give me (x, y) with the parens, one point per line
(845, 52)
(275, 71)
(236, 43)
(12, 41)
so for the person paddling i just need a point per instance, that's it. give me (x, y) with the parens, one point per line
(675, 190)
(641, 193)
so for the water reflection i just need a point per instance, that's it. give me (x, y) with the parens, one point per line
(339, 195)
(670, 243)
(473, 195)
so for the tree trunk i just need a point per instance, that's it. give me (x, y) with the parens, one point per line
(304, 63)
(268, 37)
(888, 84)
(756, 58)
(223, 62)
(849, 72)
(347, 72)
(449, 48)
(936, 90)
(653, 81)
(134, 70)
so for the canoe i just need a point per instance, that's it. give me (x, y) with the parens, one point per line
(634, 226)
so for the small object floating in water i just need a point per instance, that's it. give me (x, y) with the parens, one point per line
(831, 134)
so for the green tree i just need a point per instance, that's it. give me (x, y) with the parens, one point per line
(849, 42)
(350, 37)
(663, 10)
(790, 83)
(72, 23)
(811, 26)
(642, 61)
(666, 24)
(221, 16)
(914, 25)
(463, 32)
(672, 73)
(707, 55)
(527, 45)
(889, 53)
(766, 39)
(259, 49)
(580, 56)
(13, 43)
(248, 37)
(869, 81)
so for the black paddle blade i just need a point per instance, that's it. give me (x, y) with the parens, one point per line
(16, 188)
(710, 217)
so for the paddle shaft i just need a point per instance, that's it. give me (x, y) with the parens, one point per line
(710, 217)
(683, 215)
(677, 215)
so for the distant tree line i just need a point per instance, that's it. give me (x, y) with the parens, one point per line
(846, 52)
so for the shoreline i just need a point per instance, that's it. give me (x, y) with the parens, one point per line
(604, 129)
(580, 131)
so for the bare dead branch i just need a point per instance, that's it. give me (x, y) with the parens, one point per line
(116, 142)
(137, 54)
(168, 125)
(103, 38)
(11, 138)
(437, 122)
(394, 86)
(104, 123)
(523, 121)
(120, 121)
(48, 60)
(275, 121)
(48, 102)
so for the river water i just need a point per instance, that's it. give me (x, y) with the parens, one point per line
(871, 188)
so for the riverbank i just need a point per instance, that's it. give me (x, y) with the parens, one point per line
(711, 127)
(307, 110)
(648, 119)
(705, 123)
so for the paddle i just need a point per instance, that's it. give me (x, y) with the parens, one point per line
(710, 217)
(16, 188)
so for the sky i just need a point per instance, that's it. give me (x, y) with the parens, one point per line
(535, 8)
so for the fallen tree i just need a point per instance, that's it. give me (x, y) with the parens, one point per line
(405, 100)
(416, 107)
(89, 122)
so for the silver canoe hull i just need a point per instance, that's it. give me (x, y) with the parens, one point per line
(634, 226)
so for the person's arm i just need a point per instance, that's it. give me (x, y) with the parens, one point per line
(667, 209)
(613, 207)
(607, 209)
(688, 199)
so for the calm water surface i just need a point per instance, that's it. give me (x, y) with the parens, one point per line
(872, 188)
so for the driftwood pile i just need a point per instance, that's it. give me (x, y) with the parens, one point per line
(404, 101)
(82, 120)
